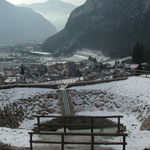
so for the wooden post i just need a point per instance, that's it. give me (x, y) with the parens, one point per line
(38, 123)
(31, 146)
(92, 124)
(92, 142)
(62, 142)
(124, 142)
(65, 124)
(118, 124)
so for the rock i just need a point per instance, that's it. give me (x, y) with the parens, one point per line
(146, 124)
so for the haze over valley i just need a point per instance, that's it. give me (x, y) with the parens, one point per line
(56, 11)
(22, 25)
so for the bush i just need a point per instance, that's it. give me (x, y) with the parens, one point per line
(5, 147)
(11, 115)
(8, 147)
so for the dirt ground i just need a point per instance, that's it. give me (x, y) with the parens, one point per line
(8, 147)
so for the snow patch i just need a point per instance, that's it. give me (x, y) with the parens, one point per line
(8, 96)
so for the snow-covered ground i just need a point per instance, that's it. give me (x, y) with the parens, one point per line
(84, 55)
(134, 87)
(15, 137)
(11, 95)
(80, 55)
(129, 98)
(30, 98)
(136, 140)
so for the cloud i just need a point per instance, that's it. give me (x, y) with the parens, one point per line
(75, 2)
(25, 1)
(17, 2)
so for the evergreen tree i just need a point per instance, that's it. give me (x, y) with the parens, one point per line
(22, 72)
(138, 55)
(78, 73)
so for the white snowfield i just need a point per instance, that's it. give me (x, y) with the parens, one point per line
(130, 98)
(136, 140)
(134, 87)
(11, 95)
(18, 137)
(126, 96)
(15, 137)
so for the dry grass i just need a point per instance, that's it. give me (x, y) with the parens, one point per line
(8, 147)
(11, 115)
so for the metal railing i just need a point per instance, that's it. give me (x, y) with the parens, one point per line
(91, 134)
(92, 142)
(92, 118)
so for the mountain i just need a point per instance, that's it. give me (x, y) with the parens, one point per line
(56, 11)
(22, 25)
(111, 26)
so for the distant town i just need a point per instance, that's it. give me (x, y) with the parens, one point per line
(27, 64)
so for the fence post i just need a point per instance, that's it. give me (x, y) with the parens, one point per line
(92, 125)
(62, 142)
(124, 142)
(65, 124)
(92, 142)
(38, 123)
(118, 124)
(31, 146)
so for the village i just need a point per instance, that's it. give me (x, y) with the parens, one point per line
(30, 66)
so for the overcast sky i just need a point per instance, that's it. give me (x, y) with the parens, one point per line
(76, 2)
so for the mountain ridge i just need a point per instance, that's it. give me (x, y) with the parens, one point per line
(113, 27)
(56, 11)
(20, 25)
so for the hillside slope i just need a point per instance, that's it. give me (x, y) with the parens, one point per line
(56, 11)
(22, 25)
(112, 26)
